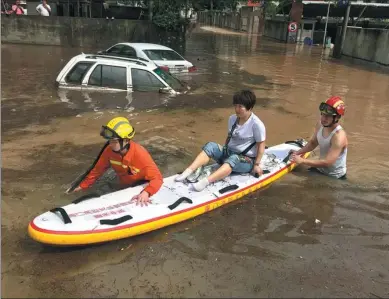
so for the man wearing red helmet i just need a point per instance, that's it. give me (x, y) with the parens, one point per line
(331, 139)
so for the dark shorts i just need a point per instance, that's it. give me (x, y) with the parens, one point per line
(314, 169)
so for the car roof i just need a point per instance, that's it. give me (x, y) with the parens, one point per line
(148, 46)
(116, 60)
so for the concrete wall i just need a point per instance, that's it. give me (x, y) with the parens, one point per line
(65, 31)
(221, 19)
(367, 44)
(276, 29)
(247, 20)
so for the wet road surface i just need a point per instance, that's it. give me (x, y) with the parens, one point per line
(265, 245)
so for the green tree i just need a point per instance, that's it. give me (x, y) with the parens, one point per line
(214, 4)
(166, 13)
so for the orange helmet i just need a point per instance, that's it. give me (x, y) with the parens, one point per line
(333, 106)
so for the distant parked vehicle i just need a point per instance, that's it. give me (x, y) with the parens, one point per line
(100, 72)
(164, 57)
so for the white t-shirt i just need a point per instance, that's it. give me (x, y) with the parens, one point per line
(253, 130)
(42, 10)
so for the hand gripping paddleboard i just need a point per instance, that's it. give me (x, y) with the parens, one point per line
(96, 219)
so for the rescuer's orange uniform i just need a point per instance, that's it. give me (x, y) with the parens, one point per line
(136, 165)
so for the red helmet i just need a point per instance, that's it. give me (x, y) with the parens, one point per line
(333, 106)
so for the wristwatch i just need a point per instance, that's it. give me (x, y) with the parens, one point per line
(257, 164)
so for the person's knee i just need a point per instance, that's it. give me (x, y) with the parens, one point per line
(212, 149)
(232, 160)
(240, 164)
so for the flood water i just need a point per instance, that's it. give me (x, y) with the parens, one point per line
(265, 245)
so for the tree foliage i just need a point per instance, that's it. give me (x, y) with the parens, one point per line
(167, 13)
(214, 4)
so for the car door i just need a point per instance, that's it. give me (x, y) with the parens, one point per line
(144, 80)
(107, 77)
(74, 77)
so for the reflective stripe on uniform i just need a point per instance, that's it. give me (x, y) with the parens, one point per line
(117, 163)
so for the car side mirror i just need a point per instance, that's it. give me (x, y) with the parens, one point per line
(164, 90)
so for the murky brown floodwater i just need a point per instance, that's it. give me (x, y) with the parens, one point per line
(266, 244)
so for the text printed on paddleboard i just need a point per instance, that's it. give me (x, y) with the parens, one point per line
(109, 210)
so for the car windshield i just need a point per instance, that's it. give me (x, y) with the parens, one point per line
(173, 82)
(162, 55)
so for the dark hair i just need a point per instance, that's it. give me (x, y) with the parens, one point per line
(244, 97)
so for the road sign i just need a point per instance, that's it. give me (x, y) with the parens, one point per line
(292, 27)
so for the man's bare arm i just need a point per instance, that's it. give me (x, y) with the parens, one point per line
(312, 143)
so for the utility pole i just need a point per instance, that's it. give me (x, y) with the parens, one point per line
(212, 13)
(338, 50)
(151, 10)
(325, 29)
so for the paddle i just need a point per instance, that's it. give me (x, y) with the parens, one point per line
(82, 177)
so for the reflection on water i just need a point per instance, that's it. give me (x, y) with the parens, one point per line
(309, 233)
(123, 101)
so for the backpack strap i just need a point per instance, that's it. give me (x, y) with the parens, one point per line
(229, 136)
(230, 132)
(247, 149)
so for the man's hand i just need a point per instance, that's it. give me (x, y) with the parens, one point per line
(142, 199)
(292, 152)
(296, 159)
(257, 169)
(75, 190)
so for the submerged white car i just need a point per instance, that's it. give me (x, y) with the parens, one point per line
(164, 57)
(100, 72)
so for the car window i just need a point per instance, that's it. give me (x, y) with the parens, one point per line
(128, 52)
(143, 80)
(172, 81)
(95, 77)
(78, 72)
(162, 55)
(115, 49)
(109, 76)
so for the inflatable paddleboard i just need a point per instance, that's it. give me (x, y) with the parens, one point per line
(96, 219)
